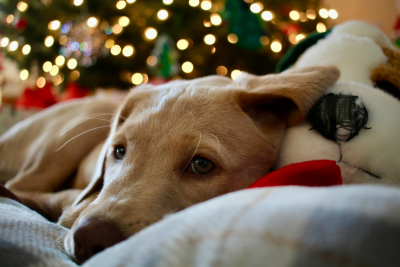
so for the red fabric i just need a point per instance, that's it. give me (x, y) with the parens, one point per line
(309, 173)
(37, 98)
(73, 90)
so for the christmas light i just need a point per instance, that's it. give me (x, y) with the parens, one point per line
(207, 24)
(232, 38)
(292, 38)
(57, 80)
(75, 75)
(264, 40)
(72, 63)
(128, 51)
(92, 22)
(333, 14)
(13, 46)
(206, 5)
(187, 67)
(168, 2)
(121, 4)
(117, 29)
(145, 78)
(4, 42)
(109, 43)
(213, 49)
(47, 66)
(256, 7)
(22, 6)
(24, 74)
(54, 25)
(221, 70)
(137, 78)
(150, 33)
(63, 39)
(303, 17)
(152, 60)
(54, 70)
(41, 82)
(194, 3)
(10, 18)
(78, 2)
(323, 13)
(49, 41)
(115, 50)
(311, 14)
(26, 49)
(276, 46)
(131, 1)
(60, 60)
(300, 37)
(124, 21)
(235, 74)
(294, 15)
(249, 1)
(215, 19)
(321, 27)
(209, 39)
(182, 44)
(162, 14)
(267, 15)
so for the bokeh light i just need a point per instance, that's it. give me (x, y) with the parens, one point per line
(187, 67)
(311, 14)
(168, 2)
(276, 46)
(92, 22)
(215, 19)
(206, 5)
(22, 6)
(49, 41)
(137, 78)
(323, 13)
(221, 70)
(232, 38)
(115, 50)
(54, 25)
(47, 66)
(152, 60)
(10, 18)
(78, 2)
(124, 21)
(4, 42)
(72, 63)
(60, 60)
(235, 74)
(256, 7)
(150, 33)
(209, 39)
(194, 3)
(41, 82)
(121, 4)
(13, 46)
(321, 27)
(294, 15)
(26, 49)
(267, 15)
(75, 75)
(162, 14)
(54, 70)
(333, 14)
(128, 51)
(182, 44)
(24, 74)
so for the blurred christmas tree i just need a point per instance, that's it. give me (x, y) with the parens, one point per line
(114, 43)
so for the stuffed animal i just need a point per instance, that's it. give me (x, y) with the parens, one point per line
(357, 122)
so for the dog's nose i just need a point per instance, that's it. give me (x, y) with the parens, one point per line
(339, 117)
(93, 236)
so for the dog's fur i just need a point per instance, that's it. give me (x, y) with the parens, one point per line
(237, 125)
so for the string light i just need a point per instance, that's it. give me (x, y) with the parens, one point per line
(115, 50)
(311, 14)
(131, 1)
(121, 5)
(303, 17)
(49, 41)
(152, 60)
(162, 14)
(182, 44)
(117, 29)
(4, 42)
(256, 7)
(209, 39)
(300, 37)
(72, 63)
(232, 38)
(92, 22)
(276, 46)
(54, 25)
(221, 70)
(60, 60)
(124, 21)
(10, 18)
(78, 2)
(194, 3)
(187, 67)
(128, 51)
(321, 27)
(145, 78)
(267, 15)
(41, 82)
(333, 14)
(150, 33)
(292, 38)
(264, 40)
(57, 80)
(294, 15)
(75, 75)
(24, 74)
(215, 19)
(207, 24)
(109, 43)
(235, 74)
(47, 66)
(206, 5)
(54, 70)
(26, 49)
(63, 39)
(137, 78)
(168, 2)
(13, 46)
(22, 6)
(323, 13)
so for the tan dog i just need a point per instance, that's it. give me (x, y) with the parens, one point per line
(170, 146)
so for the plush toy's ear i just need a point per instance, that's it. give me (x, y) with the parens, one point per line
(289, 95)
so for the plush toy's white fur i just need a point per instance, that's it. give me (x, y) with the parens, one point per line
(354, 47)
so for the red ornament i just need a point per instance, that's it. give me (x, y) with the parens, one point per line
(74, 90)
(21, 24)
(37, 98)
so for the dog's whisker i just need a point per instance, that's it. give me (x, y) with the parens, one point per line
(80, 135)
(190, 160)
(92, 116)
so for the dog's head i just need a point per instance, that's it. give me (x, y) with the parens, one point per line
(175, 145)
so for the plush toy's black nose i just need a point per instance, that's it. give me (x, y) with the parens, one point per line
(93, 236)
(339, 117)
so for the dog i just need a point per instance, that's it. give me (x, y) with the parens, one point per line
(106, 171)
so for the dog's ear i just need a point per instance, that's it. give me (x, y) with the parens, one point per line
(289, 95)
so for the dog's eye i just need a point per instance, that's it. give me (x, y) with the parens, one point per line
(201, 165)
(119, 152)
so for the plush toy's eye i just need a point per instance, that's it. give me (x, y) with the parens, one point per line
(200, 165)
(119, 152)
